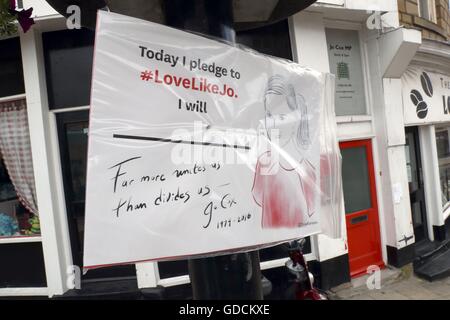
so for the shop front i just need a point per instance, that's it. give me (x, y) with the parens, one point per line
(426, 97)
(426, 93)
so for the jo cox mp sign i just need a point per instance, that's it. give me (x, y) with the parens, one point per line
(197, 147)
(426, 96)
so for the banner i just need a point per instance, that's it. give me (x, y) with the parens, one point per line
(426, 96)
(196, 147)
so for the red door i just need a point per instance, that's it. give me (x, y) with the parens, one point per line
(363, 231)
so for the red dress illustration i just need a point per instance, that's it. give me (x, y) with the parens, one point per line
(286, 195)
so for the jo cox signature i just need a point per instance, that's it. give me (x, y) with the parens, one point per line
(226, 202)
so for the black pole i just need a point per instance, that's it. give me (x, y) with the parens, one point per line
(235, 276)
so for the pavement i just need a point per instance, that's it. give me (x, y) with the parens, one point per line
(394, 284)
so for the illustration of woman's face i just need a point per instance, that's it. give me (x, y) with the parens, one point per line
(281, 121)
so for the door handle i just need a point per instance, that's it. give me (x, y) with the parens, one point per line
(359, 219)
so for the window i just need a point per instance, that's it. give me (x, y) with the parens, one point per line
(344, 55)
(356, 180)
(15, 219)
(68, 59)
(443, 150)
(22, 265)
(11, 74)
(272, 40)
(427, 10)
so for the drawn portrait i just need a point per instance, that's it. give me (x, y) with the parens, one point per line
(285, 180)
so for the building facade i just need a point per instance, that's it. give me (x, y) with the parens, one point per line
(374, 48)
(426, 121)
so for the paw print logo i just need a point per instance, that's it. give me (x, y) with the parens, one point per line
(417, 99)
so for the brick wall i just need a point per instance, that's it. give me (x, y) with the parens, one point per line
(409, 17)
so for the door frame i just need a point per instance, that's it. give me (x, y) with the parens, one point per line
(421, 176)
(368, 144)
(61, 120)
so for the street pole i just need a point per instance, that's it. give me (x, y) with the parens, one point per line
(234, 276)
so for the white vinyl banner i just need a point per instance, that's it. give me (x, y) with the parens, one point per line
(196, 147)
(426, 96)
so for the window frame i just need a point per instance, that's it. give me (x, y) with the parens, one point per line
(430, 13)
(18, 95)
(21, 238)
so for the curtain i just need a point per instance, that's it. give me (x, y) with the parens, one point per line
(15, 148)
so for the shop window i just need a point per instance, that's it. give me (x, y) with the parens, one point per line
(15, 219)
(11, 73)
(22, 265)
(344, 55)
(68, 59)
(17, 187)
(272, 40)
(443, 150)
(427, 9)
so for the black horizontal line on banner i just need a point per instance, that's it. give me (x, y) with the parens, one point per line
(223, 145)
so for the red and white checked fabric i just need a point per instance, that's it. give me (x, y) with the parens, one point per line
(15, 148)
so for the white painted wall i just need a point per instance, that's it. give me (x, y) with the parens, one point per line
(390, 54)
(41, 8)
(339, 3)
(308, 41)
(383, 5)
(309, 48)
(395, 214)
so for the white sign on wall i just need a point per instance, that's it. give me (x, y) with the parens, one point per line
(344, 55)
(426, 96)
(196, 147)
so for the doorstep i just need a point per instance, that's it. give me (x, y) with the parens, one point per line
(358, 285)
(433, 264)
